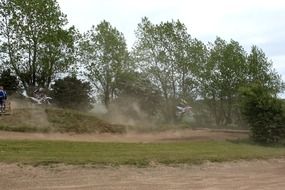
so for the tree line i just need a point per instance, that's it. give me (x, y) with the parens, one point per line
(165, 67)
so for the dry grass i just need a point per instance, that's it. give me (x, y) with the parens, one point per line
(55, 120)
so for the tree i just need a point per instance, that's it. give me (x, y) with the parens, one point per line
(264, 113)
(221, 77)
(229, 67)
(168, 56)
(34, 43)
(104, 55)
(260, 69)
(136, 89)
(72, 93)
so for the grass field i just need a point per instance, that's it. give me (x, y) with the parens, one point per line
(139, 154)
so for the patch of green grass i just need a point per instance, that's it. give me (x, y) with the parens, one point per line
(23, 128)
(139, 154)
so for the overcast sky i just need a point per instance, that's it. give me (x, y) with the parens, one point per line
(250, 22)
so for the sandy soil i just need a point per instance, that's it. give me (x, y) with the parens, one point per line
(241, 175)
(173, 135)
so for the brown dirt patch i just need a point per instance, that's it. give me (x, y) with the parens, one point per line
(242, 175)
(173, 135)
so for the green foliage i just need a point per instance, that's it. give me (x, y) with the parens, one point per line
(72, 93)
(169, 57)
(260, 70)
(34, 43)
(228, 68)
(135, 88)
(9, 81)
(37, 47)
(264, 114)
(221, 77)
(104, 55)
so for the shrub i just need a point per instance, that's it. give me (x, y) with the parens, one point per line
(9, 81)
(72, 93)
(264, 114)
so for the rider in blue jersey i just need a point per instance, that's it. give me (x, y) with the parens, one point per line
(3, 97)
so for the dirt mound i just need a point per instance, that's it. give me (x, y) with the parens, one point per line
(39, 119)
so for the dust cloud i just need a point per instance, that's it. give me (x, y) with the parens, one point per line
(127, 112)
(25, 113)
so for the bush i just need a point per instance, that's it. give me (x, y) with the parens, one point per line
(9, 81)
(264, 114)
(72, 93)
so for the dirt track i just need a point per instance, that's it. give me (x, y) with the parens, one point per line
(242, 175)
(173, 135)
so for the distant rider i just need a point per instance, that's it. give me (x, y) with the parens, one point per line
(3, 98)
